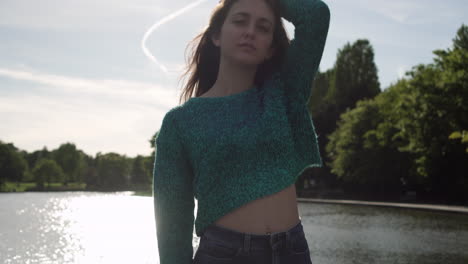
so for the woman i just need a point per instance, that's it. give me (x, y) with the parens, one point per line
(240, 144)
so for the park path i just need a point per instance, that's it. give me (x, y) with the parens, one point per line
(432, 207)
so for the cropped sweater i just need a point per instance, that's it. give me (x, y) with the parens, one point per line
(226, 151)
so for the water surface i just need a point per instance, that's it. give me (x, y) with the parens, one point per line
(93, 228)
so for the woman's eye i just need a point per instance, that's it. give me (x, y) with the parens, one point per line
(264, 29)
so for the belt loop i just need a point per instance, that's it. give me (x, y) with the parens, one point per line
(247, 243)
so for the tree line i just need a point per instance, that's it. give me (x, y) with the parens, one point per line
(410, 137)
(67, 164)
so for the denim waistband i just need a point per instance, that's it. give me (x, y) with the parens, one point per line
(234, 238)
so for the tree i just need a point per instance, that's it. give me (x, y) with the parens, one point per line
(140, 173)
(363, 151)
(320, 89)
(462, 135)
(113, 171)
(355, 75)
(70, 160)
(33, 157)
(411, 122)
(152, 142)
(89, 171)
(435, 107)
(12, 164)
(353, 78)
(47, 171)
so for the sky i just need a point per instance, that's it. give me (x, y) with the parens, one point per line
(102, 74)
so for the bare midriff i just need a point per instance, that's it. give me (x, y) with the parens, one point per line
(270, 214)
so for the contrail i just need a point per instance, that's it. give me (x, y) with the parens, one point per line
(160, 23)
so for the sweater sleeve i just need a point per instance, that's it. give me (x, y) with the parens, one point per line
(173, 196)
(311, 19)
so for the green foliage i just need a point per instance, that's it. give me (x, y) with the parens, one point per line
(436, 105)
(410, 125)
(364, 150)
(353, 78)
(105, 172)
(31, 186)
(320, 90)
(355, 75)
(463, 136)
(113, 171)
(361, 150)
(70, 160)
(33, 157)
(17, 187)
(47, 171)
(140, 170)
(13, 166)
(152, 141)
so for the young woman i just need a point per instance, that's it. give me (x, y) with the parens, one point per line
(239, 145)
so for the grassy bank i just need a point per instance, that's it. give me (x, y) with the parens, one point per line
(31, 186)
(143, 193)
(138, 189)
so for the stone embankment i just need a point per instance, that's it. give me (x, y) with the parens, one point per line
(431, 207)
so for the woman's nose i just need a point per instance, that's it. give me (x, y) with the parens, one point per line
(250, 31)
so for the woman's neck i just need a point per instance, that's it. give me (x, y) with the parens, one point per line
(233, 78)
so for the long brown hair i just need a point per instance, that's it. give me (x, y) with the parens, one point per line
(203, 64)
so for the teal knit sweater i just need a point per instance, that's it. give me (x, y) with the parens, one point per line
(227, 151)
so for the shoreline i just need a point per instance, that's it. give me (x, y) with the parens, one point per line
(426, 207)
(417, 206)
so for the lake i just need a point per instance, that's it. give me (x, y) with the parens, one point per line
(93, 228)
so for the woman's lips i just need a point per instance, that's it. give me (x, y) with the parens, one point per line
(248, 47)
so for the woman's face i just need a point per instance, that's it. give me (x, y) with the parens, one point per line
(248, 23)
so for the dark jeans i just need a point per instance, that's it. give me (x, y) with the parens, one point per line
(219, 245)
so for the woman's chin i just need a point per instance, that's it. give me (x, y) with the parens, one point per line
(248, 61)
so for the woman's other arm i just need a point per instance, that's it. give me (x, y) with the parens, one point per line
(173, 196)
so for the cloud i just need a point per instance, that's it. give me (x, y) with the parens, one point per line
(96, 115)
(34, 121)
(415, 12)
(123, 89)
(398, 11)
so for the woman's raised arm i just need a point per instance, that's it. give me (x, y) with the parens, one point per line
(311, 19)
